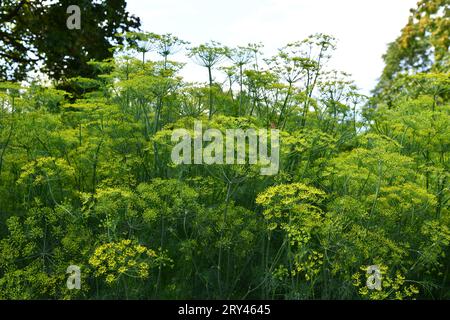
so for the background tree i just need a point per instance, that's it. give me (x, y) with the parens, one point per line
(35, 31)
(423, 45)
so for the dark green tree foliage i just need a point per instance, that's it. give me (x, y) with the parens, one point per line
(423, 45)
(14, 39)
(36, 31)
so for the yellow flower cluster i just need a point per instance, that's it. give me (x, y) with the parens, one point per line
(309, 268)
(112, 260)
(392, 287)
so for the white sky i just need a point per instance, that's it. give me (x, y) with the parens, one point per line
(363, 27)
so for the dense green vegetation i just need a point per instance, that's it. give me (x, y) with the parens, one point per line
(86, 178)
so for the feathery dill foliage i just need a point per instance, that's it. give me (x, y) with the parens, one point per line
(88, 180)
